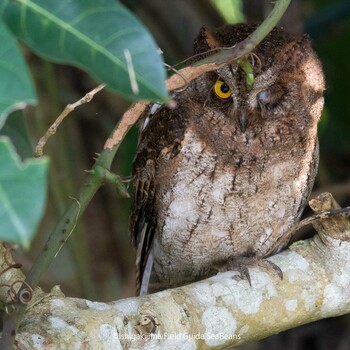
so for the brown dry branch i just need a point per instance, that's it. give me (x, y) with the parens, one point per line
(176, 81)
(39, 149)
(129, 118)
(215, 313)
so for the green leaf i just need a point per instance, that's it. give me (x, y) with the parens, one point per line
(99, 36)
(16, 87)
(22, 194)
(16, 130)
(248, 70)
(230, 10)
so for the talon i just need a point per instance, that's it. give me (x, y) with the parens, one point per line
(241, 265)
(276, 269)
(241, 268)
(244, 273)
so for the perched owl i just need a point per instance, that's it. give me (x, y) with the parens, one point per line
(228, 172)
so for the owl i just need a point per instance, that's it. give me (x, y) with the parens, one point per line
(226, 174)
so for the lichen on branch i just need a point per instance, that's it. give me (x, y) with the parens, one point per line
(215, 313)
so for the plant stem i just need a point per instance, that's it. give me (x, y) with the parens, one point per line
(57, 238)
(58, 190)
(247, 45)
(66, 224)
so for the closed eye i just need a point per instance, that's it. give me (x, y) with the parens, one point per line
(271, 97)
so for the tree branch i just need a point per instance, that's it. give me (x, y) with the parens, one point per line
(215, 313)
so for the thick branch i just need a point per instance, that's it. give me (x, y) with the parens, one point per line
(215, 313)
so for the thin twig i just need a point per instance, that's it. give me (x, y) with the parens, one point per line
(318, 217)
(176, 71)
(176, 81)
(310, 220)
(129, 118)
(39, 149)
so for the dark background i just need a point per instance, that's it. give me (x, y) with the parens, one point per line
(98, 261)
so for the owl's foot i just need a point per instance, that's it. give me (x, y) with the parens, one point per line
(241, 265)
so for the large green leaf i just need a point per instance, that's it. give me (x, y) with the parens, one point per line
(99, 36)
(16, 130)
(22, 194)
(16, 87)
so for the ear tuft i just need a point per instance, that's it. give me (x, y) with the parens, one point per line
(205, 41)
(212, 42)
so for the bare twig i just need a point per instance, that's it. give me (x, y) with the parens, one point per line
(314, 219)
(131, 116)
(39, 149)
(325, 215)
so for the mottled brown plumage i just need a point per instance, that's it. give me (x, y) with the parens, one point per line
(218, 179)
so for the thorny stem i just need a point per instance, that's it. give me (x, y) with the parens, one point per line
(57, 238)
(66, 224)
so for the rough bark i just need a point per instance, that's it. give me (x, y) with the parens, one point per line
(215, 313)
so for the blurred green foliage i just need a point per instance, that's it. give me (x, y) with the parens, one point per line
(330, 29)
(230, 10)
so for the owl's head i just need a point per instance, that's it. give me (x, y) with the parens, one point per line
(282, 78)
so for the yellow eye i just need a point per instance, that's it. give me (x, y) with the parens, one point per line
(222, 89)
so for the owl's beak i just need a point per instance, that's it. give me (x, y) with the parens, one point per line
(243, 120)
